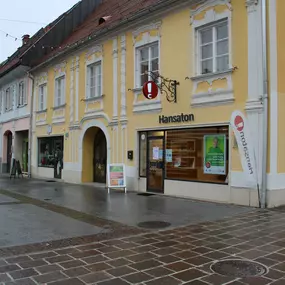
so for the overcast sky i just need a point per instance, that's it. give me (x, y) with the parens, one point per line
(39, 11)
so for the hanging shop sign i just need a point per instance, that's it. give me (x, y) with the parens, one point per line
(241, 130)
(215, 154)
(182, 118)
(116, 174)
(150, 90)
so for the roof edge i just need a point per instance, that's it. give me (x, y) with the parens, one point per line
(162, 6)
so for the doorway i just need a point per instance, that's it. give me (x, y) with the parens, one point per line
(100, 157)
(155, 164)
(9, 150)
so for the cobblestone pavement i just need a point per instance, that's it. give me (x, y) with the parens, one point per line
(182, 255)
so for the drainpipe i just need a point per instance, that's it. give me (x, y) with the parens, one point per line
(265, 105)
(31, 128)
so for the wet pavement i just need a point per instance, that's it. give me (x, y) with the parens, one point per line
(124, 254)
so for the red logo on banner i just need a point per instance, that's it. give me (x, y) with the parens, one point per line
(150, 90)
(239, 123)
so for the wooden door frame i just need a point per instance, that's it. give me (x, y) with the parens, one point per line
(149, 138)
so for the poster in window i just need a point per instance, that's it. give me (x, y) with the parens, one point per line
(168, 155)
(155, 153)
(215, 154)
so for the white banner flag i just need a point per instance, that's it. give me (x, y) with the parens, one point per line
(242, 133)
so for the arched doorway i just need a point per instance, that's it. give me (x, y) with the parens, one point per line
(94, 160)
(100, 157)
(9, 137)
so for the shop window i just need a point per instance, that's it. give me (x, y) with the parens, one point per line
(94, 81)
(147, 58)
(59, 91)
(50, 151)
(143, 153)
(213, 42)
(197, 154)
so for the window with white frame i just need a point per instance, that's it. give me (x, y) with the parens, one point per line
(42, 97)
(94, 80)
(147, 58)
(213, 44)
(21, 94)
(8, 100)
(59, 91)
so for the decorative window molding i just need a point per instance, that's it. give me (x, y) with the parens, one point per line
(42, 97)
(215, 87)
(42, 79)
(59, 91)
(94, 65)
(60, 69)
(9, 92)
(145, 37)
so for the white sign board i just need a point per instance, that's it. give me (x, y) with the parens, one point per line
(116, 175)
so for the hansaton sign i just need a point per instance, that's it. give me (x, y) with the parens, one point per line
(150, 90)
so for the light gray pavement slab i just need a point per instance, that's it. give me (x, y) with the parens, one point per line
(23, 224)
(6, 199)
(129, 209)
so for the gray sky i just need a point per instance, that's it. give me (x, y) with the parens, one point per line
(39, 11)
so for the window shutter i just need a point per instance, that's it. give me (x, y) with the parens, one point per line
(45, 96)
(87, 92)
(62, 91)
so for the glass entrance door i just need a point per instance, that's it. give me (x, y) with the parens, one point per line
(155, 165)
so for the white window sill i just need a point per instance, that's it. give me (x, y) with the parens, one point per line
(41, 111)
(214, 74)
(8, 110)
(62, 106)
(22, 106)
(94, 99)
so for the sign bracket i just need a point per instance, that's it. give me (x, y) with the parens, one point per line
(167, 86)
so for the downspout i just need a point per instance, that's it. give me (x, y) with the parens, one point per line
(31, 128)
(265, 104)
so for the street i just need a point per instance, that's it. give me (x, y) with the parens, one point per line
(57, 233)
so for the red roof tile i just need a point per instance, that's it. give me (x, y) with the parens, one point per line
(118, 10)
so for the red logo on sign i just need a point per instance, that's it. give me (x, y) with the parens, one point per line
(150, 90)
(239, 123)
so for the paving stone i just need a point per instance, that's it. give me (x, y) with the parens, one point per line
(121, 253)
(70, 250)
(159, 271)
(32, 263)
(9, 268)
(165, 251)
(4, 278)
(280, 267)
(95, 259)
(148, 241)
(121, 271)
(188, 275)
(73, 281)
(60, 258)
(26, 281)
(276, 256)
(116, 281)
(178, 266)
(77, 271)
(48, 268)
(164, 281)
(23, 273)
(199, 282)
(89, 246)
(165, 244)
(252, 254)
(266, 261)
(72, 263)
(141, 257)
(17, 259)
(82, 254)
(216, 279)
(198, 261)
(43, 255)
(49, 277)
(279, 282)
(108, 249)
(256, 281)
(144, 248)
(216, 255)
(275, 274)
(100, 266)
(168, 259)
(145, 264)
(186, 254)
(126, 245)
(119, 262)
(95, 277)
(135, 278)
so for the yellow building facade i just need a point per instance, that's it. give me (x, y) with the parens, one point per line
(89, 109)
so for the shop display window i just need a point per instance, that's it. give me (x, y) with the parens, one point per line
(50, 150)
